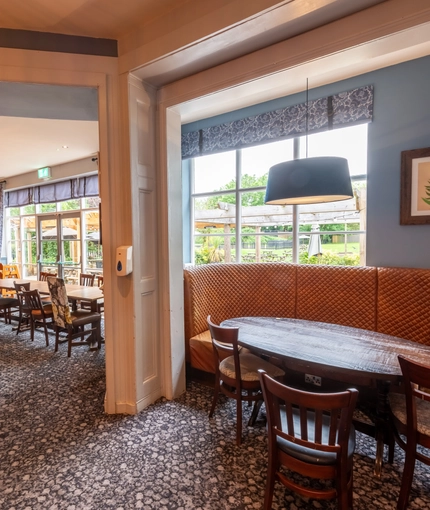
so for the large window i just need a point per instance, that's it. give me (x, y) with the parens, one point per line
(60, 237)
(231, 223)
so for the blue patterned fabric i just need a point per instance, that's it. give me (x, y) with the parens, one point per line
(54, 192)
(347, 108)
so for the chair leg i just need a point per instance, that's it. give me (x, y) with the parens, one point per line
(350, 488)
(254, 414)
(99, 335)
(32, 326)
(342, 491)
(407, 477)
(57, 338)
(239, 412)
(215, 399)
(18, 329)
(69, 344)
(270, 482)
(45, 327)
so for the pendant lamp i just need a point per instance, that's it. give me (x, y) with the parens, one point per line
(309, 181)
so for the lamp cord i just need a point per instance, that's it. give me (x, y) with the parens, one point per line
(307, 114)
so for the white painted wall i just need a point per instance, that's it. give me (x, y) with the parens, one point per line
(81, 167)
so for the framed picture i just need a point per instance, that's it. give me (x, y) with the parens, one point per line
(415, 187)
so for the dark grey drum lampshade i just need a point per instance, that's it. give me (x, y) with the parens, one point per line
(309, 181)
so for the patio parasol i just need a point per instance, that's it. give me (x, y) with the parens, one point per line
(314, 247)
(67, 232)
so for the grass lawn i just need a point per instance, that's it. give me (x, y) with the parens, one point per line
(353, 248)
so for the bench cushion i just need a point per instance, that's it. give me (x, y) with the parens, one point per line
(201, 352)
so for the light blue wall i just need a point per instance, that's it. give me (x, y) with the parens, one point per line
(401, 121)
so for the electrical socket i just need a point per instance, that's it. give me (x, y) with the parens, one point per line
(313, 379)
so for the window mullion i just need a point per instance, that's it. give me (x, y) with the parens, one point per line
(296, 220)
(238, 206)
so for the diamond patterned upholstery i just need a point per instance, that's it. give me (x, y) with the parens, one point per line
(337, 295)
(224, 291)
(403, 303)
(388, 300)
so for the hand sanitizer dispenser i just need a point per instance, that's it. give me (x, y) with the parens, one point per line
(123, 260)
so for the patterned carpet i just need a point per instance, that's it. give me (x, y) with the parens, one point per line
(59, 451)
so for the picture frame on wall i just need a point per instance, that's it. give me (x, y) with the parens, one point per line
(415, 187)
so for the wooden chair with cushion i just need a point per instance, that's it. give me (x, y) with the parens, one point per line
(24, 309)
(72, 322)
(236, 373)
(6, 306)
(410, 415)
(310, 434)
(40, 314)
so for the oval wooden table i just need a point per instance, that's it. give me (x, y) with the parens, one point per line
(351, 355)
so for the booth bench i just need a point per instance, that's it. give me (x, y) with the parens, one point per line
(394, 301)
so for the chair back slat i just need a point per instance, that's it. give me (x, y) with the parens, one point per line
(289, 413)
(318, 426)
(303, 423)
(32, 300)
(20, 288)
(315, 412)
(224, 341)
(86, 279)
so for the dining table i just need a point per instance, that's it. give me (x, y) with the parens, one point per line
(342, 353)
(75, 292)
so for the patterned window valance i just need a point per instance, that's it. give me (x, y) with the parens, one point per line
(347, 108)
(54, 192)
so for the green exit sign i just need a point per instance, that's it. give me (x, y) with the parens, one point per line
(44, 173)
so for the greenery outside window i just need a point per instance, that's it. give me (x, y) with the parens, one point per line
(231, 223)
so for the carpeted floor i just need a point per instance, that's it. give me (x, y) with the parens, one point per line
(59, 451)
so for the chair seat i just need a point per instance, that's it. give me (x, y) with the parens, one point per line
(309, 455)
(81, 317)
(8, 302)
(398, 408)
(249, 365)
(47, 310)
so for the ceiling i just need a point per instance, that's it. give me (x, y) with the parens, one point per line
(92, 18)
(30, 144)
(45, 125)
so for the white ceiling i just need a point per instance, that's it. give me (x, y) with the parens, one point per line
(29, 144)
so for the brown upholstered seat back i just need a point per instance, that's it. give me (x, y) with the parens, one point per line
(224, 291)
(338, 295)
(403, 303)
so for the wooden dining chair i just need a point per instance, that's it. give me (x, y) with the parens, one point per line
(40, 314)
(236, 373)
(24, 309)
(410, 415)
(72, 322)
(44, 275)
(7, 304)
(87, 280)
(310, 434)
